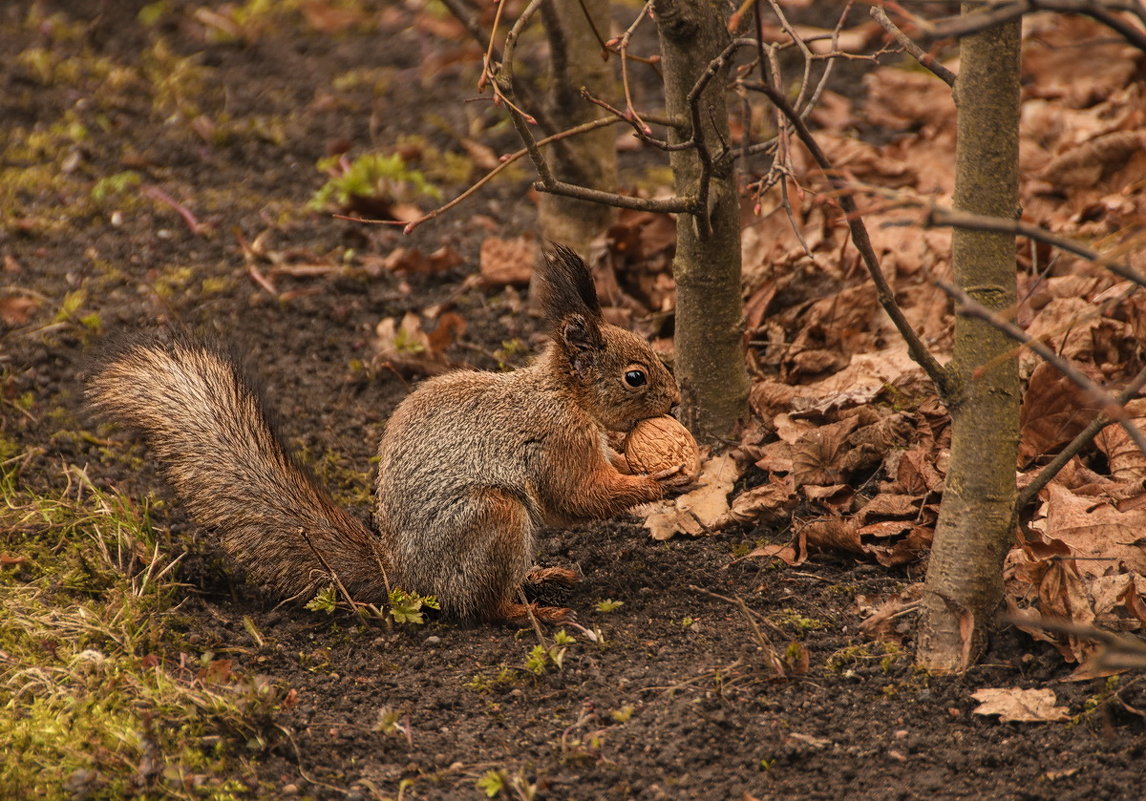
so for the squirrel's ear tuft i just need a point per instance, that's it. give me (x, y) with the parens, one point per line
(581, 339)
(565, 286)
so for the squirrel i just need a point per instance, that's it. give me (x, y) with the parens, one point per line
(471, 463)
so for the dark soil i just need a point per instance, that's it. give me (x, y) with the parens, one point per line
(678, 701)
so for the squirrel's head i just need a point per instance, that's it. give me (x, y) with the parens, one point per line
(614, 374)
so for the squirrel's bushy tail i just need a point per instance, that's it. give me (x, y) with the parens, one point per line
(206, 425)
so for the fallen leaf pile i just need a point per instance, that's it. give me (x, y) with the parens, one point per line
(850, 443)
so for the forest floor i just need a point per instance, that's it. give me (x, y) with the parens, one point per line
(158, 164)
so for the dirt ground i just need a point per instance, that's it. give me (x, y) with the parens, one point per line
(677, 701)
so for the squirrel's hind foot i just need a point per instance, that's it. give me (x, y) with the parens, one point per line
(519, 614)
(552, 575)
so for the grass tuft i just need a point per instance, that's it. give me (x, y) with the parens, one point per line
(101, 697)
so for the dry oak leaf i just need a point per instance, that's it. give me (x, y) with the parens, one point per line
(818, 455)
(1019, 705)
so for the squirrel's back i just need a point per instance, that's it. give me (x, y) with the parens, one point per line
(206, 423)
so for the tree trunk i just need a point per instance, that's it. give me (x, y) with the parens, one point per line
(709, 328)
(590, 159)
(964, 577)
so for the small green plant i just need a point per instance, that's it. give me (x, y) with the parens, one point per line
(792, 619)
(390, 722)
(608, 605)
(541, 657)
(115, 185)
(495, 782)
(325, 600)
(408, 607)
(501, 681)
(624, 714)
(377, 180)
(492, 783)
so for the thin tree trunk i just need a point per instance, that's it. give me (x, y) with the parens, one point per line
(709, 343)
(589, 160)
(964, 577)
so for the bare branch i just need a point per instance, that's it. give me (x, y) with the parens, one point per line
(503, 84)
(1105, 11)
(862, 241)
(940, 216)
(915, 51)
(592, 125)
(670, 205)
(1081, 440)
(1110, 404)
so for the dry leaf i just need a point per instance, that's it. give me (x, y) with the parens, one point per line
(1015, 704)
(403, 346)
(1054, 410)
(506, 262)
(17, 309)
(700, 511)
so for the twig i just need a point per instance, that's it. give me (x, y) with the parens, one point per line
(330, 571)
(862, 241)
(1005, 10)
(997, 13)
(1081, 440)
(937, 215)
(915, 51)
(548, 183)
(585, 127)
(1110, 405)
(622, 50)
(155, 193)
(762, 640)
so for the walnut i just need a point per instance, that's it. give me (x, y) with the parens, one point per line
(660, 443)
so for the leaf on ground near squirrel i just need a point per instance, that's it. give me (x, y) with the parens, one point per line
(1018, 705)
(767, 503)
(1085, 565)
(1054, 410)
(881, 613)
(17, 309)
(507, 262)
(816, 456)
(775, 457)
(701, 510)
(916, 472)
(412, 261)
(403, 345)
(864, 378)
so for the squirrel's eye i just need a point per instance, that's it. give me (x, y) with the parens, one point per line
(636, 378)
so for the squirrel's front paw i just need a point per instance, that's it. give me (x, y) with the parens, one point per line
(675, 480)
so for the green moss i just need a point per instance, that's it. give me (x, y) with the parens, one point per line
(94, 700)
(791, 619)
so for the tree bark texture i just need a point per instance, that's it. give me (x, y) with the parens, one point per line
(964, 583)
(590, 159)
(710, 362)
